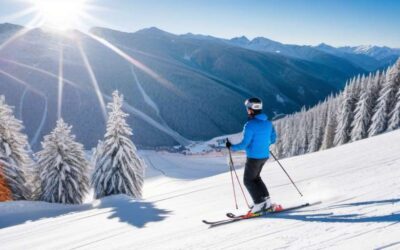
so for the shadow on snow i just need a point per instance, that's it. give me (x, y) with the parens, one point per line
(124, 208)
(19, 212)
(366, 203)
(135, 213)
(347, 218)
(344, 218)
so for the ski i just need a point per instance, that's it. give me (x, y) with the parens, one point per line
(270, 211)
(220, 222)
(234, 218)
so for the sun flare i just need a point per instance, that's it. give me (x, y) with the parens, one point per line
(60, 14)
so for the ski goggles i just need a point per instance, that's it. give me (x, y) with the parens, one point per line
(252, 105)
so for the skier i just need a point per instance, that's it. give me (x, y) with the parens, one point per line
(258, 135)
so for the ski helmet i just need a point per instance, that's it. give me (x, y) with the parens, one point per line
(253, 103)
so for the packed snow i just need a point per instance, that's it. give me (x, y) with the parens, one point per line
(358, 184)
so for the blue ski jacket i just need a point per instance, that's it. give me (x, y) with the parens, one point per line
(258, 135)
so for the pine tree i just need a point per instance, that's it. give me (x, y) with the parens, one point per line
(303, 136)
(345, 116)
(278, 150)
(357, 87)
(376, 88)
(287, 136)
(118, 168)
(315, 131)
(331, 123)
(323, 114)
(386, 102)
(294, 148)
(34, 180)
(394, 121)
(363, 111)
(350, 115)
(63, 167)
(14, 156)
(320, 114)
(395, 80)
(298, 137)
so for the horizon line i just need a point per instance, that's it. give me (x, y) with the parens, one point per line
(200, 34)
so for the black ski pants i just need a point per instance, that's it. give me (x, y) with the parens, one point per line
(253, 181)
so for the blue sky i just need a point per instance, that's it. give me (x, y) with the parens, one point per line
(336, 22)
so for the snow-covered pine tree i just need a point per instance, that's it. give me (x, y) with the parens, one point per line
(363, 111)
(394, 120)
(34, 180)
(320, 113)
(118, 168)
(323, 121)
(386, 103)
(63, 167)
(14, 156)
(303, 128)
(395, 78)
(357, 87)
(314, 131)
(277, 147)
(345, 116)
(376, 88)
(287, 136)
(296, 137)
(330, 127)
(294, 147)
(280, 141)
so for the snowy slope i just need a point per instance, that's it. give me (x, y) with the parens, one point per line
(358, 184)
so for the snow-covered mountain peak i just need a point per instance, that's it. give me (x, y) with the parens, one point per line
(243, 40)
(153, 31)
(363, 48)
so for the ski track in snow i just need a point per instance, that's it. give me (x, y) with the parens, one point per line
(357, 183)
(150, 163)
(179, 138)
(145, 96)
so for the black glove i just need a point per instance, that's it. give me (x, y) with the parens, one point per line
(228, 144)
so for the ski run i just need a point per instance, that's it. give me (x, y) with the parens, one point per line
(357, 183)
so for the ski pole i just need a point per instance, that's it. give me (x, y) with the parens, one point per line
(286, 173)
(237, 177)
(233, 187)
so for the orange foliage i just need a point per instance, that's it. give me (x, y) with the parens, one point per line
(5, 192)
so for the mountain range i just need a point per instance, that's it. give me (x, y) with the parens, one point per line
(177, 88)
(369, 57)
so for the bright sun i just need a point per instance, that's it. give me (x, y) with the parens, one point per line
(60, 14)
